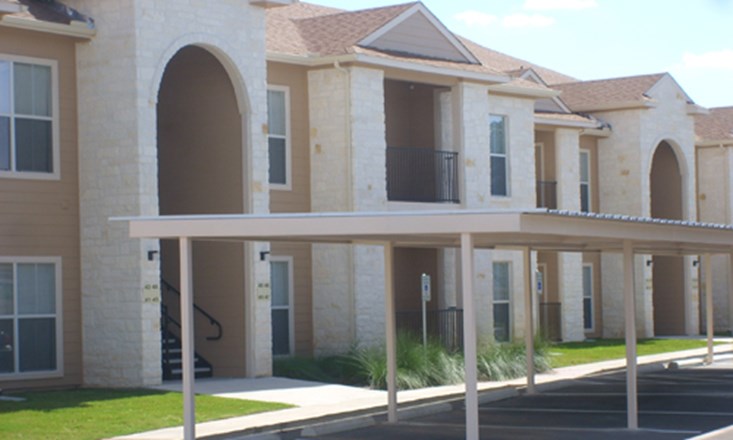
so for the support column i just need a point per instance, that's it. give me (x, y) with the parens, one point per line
(187, 338)
(632, 416)
(391, 330)
(469, 338)
(528, 320)
(709, 304)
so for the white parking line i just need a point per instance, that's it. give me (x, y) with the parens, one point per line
(551, 428)
(606, 411)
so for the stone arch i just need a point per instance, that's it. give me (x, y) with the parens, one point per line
(219, 49)
(666, 189)
(202, 169)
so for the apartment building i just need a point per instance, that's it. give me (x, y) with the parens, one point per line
(135, 108)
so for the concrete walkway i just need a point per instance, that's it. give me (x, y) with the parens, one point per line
(323, 404)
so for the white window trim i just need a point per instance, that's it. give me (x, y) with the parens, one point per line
(506, 156)
(59, 371)
(592, 300)
(55, 129)
(583, 151)
(288, 186)
(510, 284)
(291, 306)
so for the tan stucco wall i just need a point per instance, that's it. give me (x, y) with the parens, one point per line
(41, 217)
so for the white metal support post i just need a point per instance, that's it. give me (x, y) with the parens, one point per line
(632, 416)
(707, 267)
(469, 337)
(391, 330)
(189, 405)
(528, 320)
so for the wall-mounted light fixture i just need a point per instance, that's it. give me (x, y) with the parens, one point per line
(264, 255)
(695, 262)
(152, 254)
(649, 262)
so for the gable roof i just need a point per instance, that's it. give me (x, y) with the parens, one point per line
(716, 126)
(582, 96)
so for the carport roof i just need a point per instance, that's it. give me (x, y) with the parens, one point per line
(539, 229)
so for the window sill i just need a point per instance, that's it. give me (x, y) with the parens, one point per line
(22, 175)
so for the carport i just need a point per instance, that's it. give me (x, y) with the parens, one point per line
(526, 231)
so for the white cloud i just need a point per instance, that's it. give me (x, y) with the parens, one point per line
(718, 60)
(476, 18)
(526, 21)
(547, 5)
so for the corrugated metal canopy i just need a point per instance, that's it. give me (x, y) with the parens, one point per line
(539, 229)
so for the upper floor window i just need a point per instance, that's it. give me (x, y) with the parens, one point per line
(28, 119)
(585, 195)
(278, 136)
(30, 331)
(499, 157)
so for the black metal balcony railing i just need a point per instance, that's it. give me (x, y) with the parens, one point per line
(546, 194)
(445, 326)
(422, 175)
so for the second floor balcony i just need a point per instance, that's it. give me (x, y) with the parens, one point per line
(422, 175)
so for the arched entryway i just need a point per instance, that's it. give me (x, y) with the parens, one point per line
(201, 171)
(668, 271)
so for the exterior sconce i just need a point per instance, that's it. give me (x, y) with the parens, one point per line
(264, 255)
(649, 262)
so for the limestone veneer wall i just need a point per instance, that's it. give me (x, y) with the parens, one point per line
(119, 73)
(714, 165)
(625, 164)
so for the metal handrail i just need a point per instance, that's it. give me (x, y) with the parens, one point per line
(422, 175)
(213, 321)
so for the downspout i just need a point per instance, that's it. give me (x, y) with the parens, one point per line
(349, 191)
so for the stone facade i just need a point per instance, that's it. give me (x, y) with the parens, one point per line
(119, 75)
(626, 158)
(347, 174)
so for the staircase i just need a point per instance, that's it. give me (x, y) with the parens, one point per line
(172, 359)
(172, 353)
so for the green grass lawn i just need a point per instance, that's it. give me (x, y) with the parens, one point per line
(100, 413)
(575, 353)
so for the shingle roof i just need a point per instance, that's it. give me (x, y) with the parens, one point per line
(54, 12)
(337, 34)
(591, 95)
(716, 126)
(513, 66)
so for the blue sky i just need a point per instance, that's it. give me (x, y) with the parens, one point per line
(592, 39)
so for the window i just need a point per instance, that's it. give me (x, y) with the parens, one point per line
(502, 283)
(499, 157)
(28, 146)
(585, 197)
(30, 327)
(588, 297)
(278, 117)
(281, 282)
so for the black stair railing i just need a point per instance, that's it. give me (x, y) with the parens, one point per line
(213, 321)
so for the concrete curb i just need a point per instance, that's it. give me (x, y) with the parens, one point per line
(338, 426)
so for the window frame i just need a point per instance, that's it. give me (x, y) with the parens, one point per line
(585, 152)
(507, 301)
(288, 259)
(590, 298)
(505, 156)
(58, 316)
(288, 185)
(55, 173)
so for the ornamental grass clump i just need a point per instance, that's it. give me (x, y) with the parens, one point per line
(508, 361)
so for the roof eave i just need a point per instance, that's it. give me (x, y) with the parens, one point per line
(511, 89)
(538, 119)
(75, 29)
(694, 109)
(315, 61)
(611, 106)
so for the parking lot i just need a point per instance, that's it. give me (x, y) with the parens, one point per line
(673, 404)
